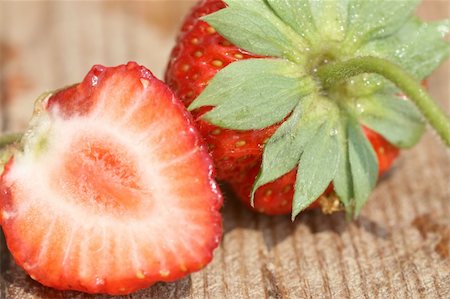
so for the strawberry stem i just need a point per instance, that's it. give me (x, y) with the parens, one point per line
(335, 72)
(8, 139)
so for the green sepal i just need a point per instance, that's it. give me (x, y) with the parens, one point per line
(317, 166)
(314, 20)
(375, 19)
(357, 173)
(254, 93)
(330, 19)
(418, 47)
(35, 139)
(283, 150)
(260, 31)
(396, 119)
(363, 164)
(297, 14)
(343, 182)
(14, 144)
(9, 145)
(8, 139)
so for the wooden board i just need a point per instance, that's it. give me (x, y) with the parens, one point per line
(398, 248)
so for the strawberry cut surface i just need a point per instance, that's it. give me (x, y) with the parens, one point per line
(113, 190)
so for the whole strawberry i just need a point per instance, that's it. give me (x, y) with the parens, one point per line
(110, 189)
(278, 84)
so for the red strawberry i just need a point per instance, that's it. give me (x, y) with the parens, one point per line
(276, 197)
(200, 53)
(113, 190)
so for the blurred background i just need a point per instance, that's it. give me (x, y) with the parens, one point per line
(45, 45)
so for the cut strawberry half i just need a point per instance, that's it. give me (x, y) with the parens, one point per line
(113, 190)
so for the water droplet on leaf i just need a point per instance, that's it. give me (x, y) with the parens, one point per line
(333, 132)
(359, 108)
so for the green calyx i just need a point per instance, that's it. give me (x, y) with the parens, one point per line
(8, 139)
(336, 72)
(323, 80)
(8, 146)
(33, 140)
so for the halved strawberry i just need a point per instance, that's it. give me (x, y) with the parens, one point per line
(113, 190)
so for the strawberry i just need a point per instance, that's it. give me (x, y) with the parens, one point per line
(253, 72)
(199, 54)
(112, 189)
(275, 198)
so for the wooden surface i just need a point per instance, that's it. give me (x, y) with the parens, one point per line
(398, 248)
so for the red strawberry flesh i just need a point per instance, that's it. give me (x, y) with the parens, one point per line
(114, 190)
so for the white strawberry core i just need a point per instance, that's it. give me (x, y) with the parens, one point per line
(80, 164)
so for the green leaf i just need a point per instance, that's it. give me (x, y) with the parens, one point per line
(230, 80)
(357, 172)
(343, 182)
(283, 150)
(363, 164)
(297, 14)
(253, 94)
(373, 19)
(418, 47)
(317, 167)
(330, 18)
(398, 120)
(314, 20)
(253, 26)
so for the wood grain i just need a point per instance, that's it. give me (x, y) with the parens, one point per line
(398, 248)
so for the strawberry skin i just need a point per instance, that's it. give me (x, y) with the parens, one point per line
(114, 189)
(199, 54)
(275, 198)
